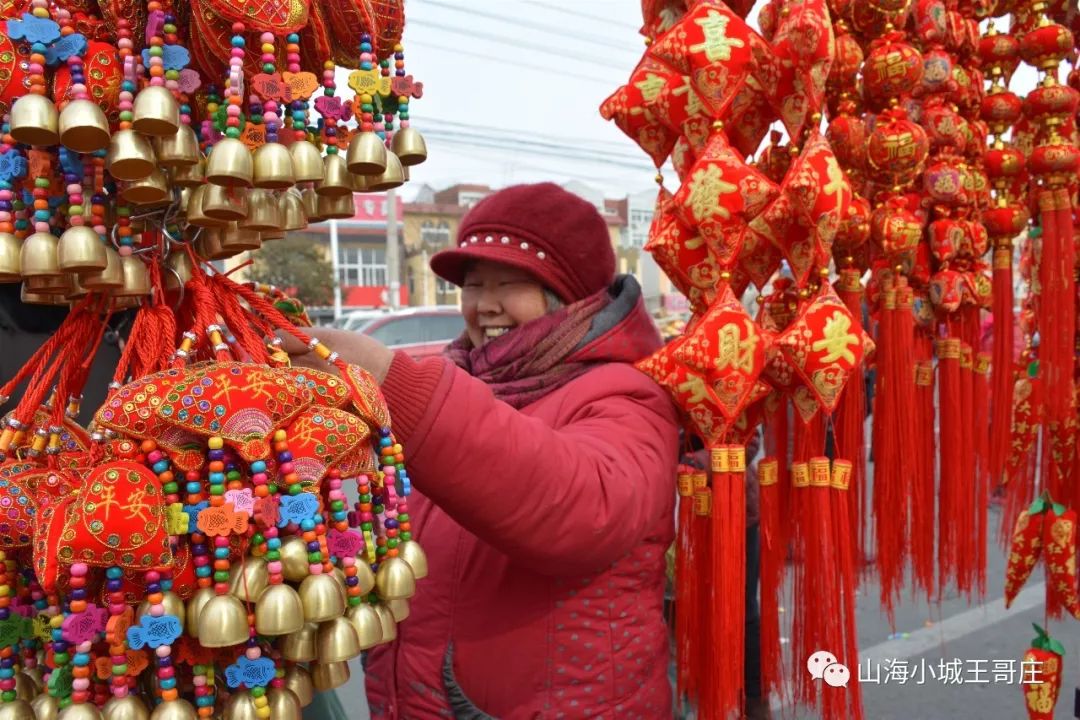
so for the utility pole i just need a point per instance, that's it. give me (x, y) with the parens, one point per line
(335, 263)
(393, 264)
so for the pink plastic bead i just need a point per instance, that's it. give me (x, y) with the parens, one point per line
(163, 651)
(253, 653)
(125, 250)
(274, 567)
(80, 683)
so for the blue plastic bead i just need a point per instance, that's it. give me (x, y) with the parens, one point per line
(192, 487)
(168, 683)
(81, 659)
(237, 41)
(307, 524)
(258, 466)
(273, 543)
(161, 466)
(114, 573)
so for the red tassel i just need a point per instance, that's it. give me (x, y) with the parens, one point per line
(699, 685)
(980, 424)
(923, 501)
(850, 425)
(773, 560)
(1063, 421)
(728, 578)
(803, 632)
(686, 616)
(846, 564)
(949, 392)
(1001, 364)
(823, 612)
(965, 517)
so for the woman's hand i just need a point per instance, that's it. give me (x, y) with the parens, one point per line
(354, 348)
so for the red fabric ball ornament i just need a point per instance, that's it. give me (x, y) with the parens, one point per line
(897, 147)
(1046, 46)
(892, 68)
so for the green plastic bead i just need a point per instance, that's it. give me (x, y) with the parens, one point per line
(406, 536)
(8, 696)
(61, 658)
(315, 557)
(232, 132)
(257, 691)
(221, 576)
(120, 669)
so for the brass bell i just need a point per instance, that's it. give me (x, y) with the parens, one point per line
(405, 173)
(34, 121)
(300, 645)
(76, 291)
(181, 149)
(358, 183)
(264, 213)
(182, 270)
(37, 674)
(365, 578)
(224, 203)
(298, 679)
(399, 609)
(310, 202)
(367, 154)
(393, 176)
(336, 207)
(195, 606)
(307, 162)
(279, 611)
(322, 598)
(223, 622)
(189, 176)
(174, 605)
(294, 559)
(128, 707)
(136, 279)
(209, 245)
(273, 167)
(411, 552)
(236, 239)
(17, 709)
(394, 580)
(80, 711)
(49, 284)
(10, 249)
(38, 255)
(386, 620)
(284, 704)
(174, 710)
(292, 212)
(241, 706)
(28, 684)
(229, 164)
(367, 624)
(408, 144)
(195, 215)
(337, 640)
(156, 112)
(249, 579)
(130, 156)
(111, 277)
(153, 188)
(327, 676)
(268, 235)
(84, 127)
(45, 706)
(335, 179)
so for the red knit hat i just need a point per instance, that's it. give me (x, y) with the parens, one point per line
(549, 232)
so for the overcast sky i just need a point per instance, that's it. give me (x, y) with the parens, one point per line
(527, 76)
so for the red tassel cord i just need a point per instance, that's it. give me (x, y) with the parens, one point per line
(803, 634)
(980, 424)
(822, 615)
(685, 615)
(851, 423)
(1001, 363)
(847, 576)
(965, 517)
(1063, 421)
(726, 636)
(699, 687)
(924, 483)
(773, 561)
(948, 352)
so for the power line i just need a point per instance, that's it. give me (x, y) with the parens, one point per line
(507, 61)
(518, 44)
(516, 133)
(530, 25)
(540, 145)
(578, 13)
(568, 154)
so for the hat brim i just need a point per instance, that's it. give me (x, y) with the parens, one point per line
(452, 263)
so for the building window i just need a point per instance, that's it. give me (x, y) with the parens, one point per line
(362, 266)
(445, 287)
(468, 199)
(436, 235)
(640, 220)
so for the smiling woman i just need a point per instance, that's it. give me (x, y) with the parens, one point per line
(545, 468)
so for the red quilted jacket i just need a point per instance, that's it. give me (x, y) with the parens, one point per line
(545, 530)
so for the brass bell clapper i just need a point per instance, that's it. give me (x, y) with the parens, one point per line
(190, 554)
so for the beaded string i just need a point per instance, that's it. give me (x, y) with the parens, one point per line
(364, 517)
(80, 661)
(7, 654)
(235, 82)
(7, 187)
(213, 103)
(61, 658)
(203, 675)
(298, 107)
(216, 478)
(166, 673)
(366, 101)
(402, 100)
(270, 106)
(329, 122)
(114, 588)
(387, 116)
(393, 471)
(29, 593)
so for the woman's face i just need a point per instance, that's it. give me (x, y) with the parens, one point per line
(497, 298)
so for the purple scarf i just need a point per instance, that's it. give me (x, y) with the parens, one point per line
(540, 356)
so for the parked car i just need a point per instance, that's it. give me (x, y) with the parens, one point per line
(358, 318)
(419, 331)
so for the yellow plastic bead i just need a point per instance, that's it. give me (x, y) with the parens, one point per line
(280, 436)
(215, 443)
(267, 48)
(262, 712)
